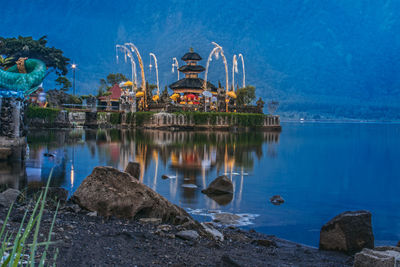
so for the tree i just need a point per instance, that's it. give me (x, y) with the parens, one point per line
(63, 82)
(112, 78)
(28, 47)
(246, 95)
(6, 62)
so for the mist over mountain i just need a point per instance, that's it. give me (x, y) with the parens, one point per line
(334, 57)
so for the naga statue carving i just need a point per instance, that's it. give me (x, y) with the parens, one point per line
(23, 78)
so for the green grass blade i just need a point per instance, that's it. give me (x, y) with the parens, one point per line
(55, 258)
(42, 260)
(6, 220)
(35, 235)
(17, 241)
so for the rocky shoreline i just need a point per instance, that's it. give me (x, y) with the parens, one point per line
(85, 239)
(113, 219)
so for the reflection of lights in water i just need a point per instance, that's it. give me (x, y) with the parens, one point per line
(239, 199)
(72, 176)
(155, 156)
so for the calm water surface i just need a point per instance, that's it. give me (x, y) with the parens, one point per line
(320, 169)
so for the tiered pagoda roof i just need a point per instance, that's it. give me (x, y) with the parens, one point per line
(191, 83)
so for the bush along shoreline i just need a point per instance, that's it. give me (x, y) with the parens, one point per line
(57, 118)
(106, 223)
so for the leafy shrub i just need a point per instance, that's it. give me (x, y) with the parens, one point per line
(49, 114)
(115, 118)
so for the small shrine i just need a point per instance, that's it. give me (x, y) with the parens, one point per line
(190, 88)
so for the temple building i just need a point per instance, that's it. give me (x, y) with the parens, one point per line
(191, 84)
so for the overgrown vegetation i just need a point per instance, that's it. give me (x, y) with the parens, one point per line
(106, 84)
(246, 95)
(49, 114)
(138, 117)
(38, 49)
(63, 82)
(115, 118)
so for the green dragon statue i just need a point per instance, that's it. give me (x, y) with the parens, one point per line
(22, 79)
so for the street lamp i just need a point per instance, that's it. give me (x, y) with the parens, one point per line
(73, 81)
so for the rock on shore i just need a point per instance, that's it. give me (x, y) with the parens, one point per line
(350, 232)
(111, 192)
(221, 185)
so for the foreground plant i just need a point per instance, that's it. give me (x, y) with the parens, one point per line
(15, 249)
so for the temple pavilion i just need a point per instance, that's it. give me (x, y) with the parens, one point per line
(191, 85)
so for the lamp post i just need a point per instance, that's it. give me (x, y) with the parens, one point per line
(73, 73)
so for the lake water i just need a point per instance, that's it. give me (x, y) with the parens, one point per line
(320, 169)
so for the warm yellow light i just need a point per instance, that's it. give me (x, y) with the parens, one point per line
(232, 94)
(139, 94)
(73, 66)
(72, 175)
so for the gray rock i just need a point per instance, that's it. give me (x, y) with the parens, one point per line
(221, 185)
(188, 235)
(165, 227)
(265, 243)
(227, 261)
(92, 214)
(227, 218)
(3, 201)
(111, 192)
(350, 232)
(277, 200)
(378, 257)
(9, 196)
(217, 235)
(150, 220)
(133, 169)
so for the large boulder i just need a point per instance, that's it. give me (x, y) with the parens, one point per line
(378, 257)
(111, 192)
(133, 168)
(9, 196)
(350, 232)
(221, 185)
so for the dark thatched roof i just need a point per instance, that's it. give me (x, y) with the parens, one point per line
(191, 56)
(191, 68)
(191, 83)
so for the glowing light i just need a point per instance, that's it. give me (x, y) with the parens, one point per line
(72, 176)
(73, 66)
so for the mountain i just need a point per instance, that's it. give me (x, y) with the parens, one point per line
(332, 57)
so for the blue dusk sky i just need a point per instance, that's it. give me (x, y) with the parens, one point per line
(333, 51)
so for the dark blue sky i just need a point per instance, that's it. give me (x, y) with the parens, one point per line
(333, 51)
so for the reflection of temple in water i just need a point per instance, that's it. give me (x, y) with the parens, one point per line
(193, 158)
(190, 156)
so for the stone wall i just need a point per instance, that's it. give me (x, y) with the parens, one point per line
(12, 132)
(161, 120)
(225, 121)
